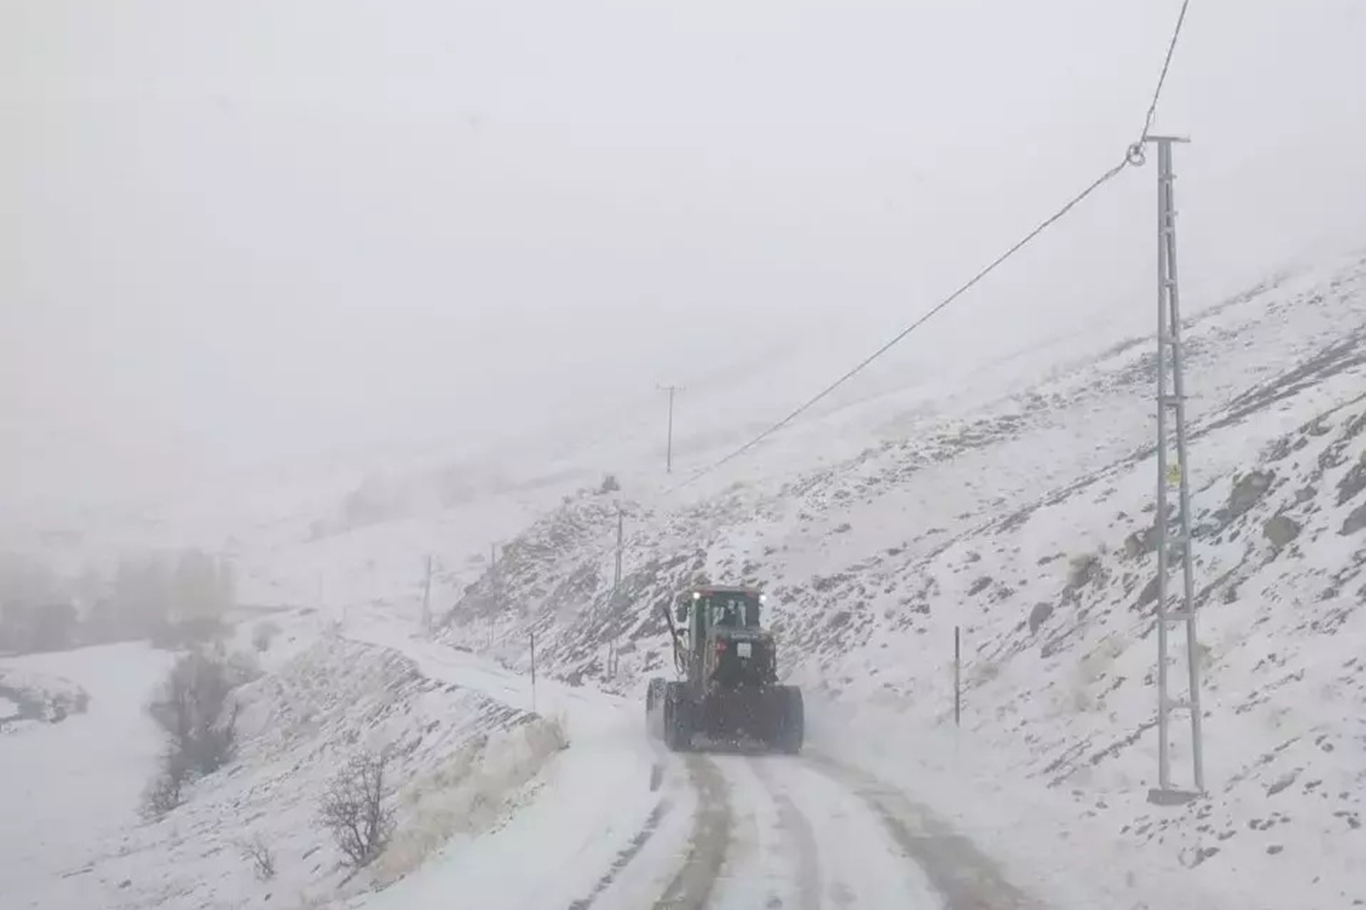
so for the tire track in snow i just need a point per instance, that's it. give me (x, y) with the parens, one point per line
(861, 864)
(965, 877)
(625, 855)
(800, 832)
(692, 886)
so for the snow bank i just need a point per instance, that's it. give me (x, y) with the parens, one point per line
(456, 757)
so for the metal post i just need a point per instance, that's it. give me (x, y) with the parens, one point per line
(1172, 540)
(957, 676)
(533, 670)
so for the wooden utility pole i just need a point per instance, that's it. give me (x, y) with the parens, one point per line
(669, 451)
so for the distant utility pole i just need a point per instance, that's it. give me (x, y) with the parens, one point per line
(616, 587)
(669, 451)
(427, 599)
(1173, 468)
(493, 575)
(957, 677)
(495, 591)
(621, 524)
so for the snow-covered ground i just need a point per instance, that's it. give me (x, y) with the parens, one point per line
(1014, 506)
(70, 785)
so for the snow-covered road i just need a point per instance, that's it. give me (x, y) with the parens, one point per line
(618, 823)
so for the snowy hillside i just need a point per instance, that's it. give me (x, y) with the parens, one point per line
(1026, 523)
(1016, 506)
(457, 757)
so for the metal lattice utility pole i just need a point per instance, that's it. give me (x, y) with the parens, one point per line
(1173, 534)
(669, 451)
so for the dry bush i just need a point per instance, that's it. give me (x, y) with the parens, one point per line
(353, 809)
(166, 790)
(261, 856)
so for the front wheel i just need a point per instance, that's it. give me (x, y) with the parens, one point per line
(677, 718)
(654, 704)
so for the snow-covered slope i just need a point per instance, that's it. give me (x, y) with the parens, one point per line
(1025, 523)
(457, 758)
(1015, 506)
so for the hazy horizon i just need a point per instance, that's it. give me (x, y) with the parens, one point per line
(251, 231)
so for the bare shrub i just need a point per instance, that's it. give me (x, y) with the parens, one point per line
(551, 733)
(353, 809)
(194, 706)
(1082, 569)
(165, 791)
(261, 857)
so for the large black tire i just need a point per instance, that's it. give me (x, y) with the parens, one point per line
(654, 706)
(677, 718)
(791, 720)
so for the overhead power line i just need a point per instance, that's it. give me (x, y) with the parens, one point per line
(1166, 64)
(1133, 157)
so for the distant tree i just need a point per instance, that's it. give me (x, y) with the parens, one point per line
(17, 621)
(610, 484)
(353, 809)
(26, 585)
(195, 708)
(374, 500)
(226, 587)
(101, 623)
(195, 586)
(141, 596)
(54, 627)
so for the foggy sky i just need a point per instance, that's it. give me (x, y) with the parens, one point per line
(237, 231)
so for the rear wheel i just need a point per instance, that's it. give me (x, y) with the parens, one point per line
(791, 720)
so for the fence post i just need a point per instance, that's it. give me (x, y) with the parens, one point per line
(957, 676)
(533, 671)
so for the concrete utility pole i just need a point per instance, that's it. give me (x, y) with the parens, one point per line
(621, 524)
(1173, 468)
(493, 575)
(669, 452)
(616, 587)
(427, 599)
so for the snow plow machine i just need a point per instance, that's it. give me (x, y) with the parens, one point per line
(728, 690)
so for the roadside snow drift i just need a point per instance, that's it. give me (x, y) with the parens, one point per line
(455, 757)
